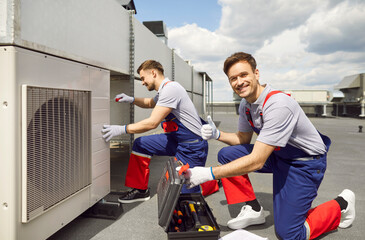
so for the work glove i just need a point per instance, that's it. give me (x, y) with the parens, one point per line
(124, 98)
(210, 131)
(197, 175)
(113, 131)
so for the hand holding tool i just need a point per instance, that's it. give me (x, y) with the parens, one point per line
(124, 98)
(113, 131)
(198, 175)
(210, 131)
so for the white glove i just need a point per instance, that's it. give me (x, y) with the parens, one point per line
(198, 175)
(113, 131)
(210, 131)
(124, 98)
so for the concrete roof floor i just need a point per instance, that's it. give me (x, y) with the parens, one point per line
(345, 169)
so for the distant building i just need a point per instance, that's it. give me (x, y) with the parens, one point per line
(313, 102)
(353, 89)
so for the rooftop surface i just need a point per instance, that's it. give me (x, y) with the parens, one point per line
(345, 169)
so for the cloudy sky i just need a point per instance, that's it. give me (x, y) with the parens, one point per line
(298, 44)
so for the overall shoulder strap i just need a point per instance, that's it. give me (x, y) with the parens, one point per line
(270, 94)
(166, 83)
(249, 118)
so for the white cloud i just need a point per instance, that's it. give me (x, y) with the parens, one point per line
(254, 22)
(303, 44)
(339, 29)
(207, 51)
(196, 43)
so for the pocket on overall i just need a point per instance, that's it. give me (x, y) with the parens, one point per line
(170, 126)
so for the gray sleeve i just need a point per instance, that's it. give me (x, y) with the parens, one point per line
(169, 96)
(279, 122)
(155, 98)
(243, 124)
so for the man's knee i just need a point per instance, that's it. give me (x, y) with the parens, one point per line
(137, 144)
(224, 155)
(290, 232)
(230, 153)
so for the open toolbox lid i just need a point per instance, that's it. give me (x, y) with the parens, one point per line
(168, 191)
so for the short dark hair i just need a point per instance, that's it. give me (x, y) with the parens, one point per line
(237, 57)
(150, 64)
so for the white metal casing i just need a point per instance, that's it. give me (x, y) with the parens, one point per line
(93, 32)
(19, 67)
(90, 31)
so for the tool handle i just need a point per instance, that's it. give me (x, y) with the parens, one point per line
(195, 215)
(187, 212)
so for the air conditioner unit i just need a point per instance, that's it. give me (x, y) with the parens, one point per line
(54, 162)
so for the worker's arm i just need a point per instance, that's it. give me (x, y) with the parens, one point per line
(238, 167)
(235, 138)
(210, 131)
(140, 102)
(157, 116)
(249, 163)
(144, 102)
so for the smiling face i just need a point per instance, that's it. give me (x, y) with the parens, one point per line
(244, 81)
(148, 77)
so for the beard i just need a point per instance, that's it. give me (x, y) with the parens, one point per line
(150, 87)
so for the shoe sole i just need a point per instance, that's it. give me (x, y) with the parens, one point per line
(134, 200)
(238, 225)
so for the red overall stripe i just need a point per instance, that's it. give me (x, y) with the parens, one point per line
(238, 189)
(323, 218)
(209, 187)
(138, 172)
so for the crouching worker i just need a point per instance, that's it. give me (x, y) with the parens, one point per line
(173, 108)
(287, 145)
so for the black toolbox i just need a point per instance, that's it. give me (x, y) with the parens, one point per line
(183, 216)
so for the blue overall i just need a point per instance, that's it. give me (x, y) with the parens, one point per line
(177, 141)
(296, 179)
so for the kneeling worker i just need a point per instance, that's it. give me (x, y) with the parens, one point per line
(287, 145)
(180, 121)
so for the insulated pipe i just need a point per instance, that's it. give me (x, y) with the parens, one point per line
(204, 95)
(211, 98)
(344, 109)
(362, 88)
(362, 109)
(324, 110)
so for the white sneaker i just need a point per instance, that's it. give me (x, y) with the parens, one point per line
(247, 217)
(347, 215)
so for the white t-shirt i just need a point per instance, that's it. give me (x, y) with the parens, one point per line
(173, 95)
(283, 122)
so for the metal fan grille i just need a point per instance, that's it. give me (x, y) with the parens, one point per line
(57, 163)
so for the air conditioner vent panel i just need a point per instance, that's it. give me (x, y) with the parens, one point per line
(56, 147)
